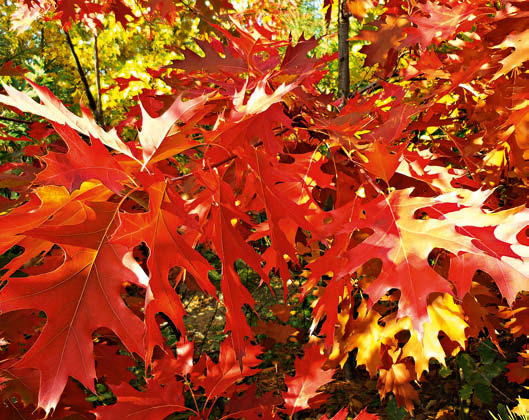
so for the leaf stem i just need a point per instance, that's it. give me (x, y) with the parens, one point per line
(188, 384)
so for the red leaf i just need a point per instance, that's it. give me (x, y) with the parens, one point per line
(442, 24)
(385, 42)
(155, 130)
(54, 110)
(231, 246)
(9, 69)
(249, 406)
(295, 60)
(364, 415)
(308, 379)
(341, 415)
(67, 296)
(212, 62)
(158, 228)
(403, 242)
(222, 375)
(112, 365)
(155, 403)
(519, 371)
(81, 163)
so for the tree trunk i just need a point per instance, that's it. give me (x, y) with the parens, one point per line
(343, 51)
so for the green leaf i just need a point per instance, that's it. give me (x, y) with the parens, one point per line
(503, 413)
(466, 391)
(445, 372)
(484, 393)
(395, 412)
(487, 352)
(466, 364)
(494, 370)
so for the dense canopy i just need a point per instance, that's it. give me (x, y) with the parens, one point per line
(263, 210)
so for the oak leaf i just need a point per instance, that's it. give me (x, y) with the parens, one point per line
(155, 403)
(519, 371)
(403, 240)
(155, 130)
(364, 415)
(446, 316)
(518, 42)
(359, 8)
(396, 378)
(54, 110)
(67, 296)
(342, 415)
(386, 41)
(158, 228)
(441, 25)
(230, 245)
(211, 62)
(363, 333)
(250, 406)
(81, 163)
(308, 379)
(219, 379)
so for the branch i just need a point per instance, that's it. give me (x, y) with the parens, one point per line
(16, 120)
(197, 14)
(99, 113)
(91, 100)
(373, 85)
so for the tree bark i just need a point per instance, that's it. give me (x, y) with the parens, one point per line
(343, 51)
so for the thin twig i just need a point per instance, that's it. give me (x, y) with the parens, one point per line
(16, 120)
(496, 388)
(188, 384)
(197, 14)
(91, 101)
(99, 113)
(369, 86)
(216, 165)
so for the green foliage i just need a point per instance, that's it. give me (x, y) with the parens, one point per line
(103, 395)
(394, 412)
(123, 53)
(478, 376)
(445, 372)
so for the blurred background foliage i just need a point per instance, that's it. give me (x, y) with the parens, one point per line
(141, 50)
